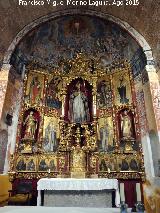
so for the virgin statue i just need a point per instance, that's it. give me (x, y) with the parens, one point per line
(78, 106)
(31, 126)
(126, 125)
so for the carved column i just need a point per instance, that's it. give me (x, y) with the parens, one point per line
(94, 94)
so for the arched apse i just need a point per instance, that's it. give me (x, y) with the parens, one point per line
(62, 34)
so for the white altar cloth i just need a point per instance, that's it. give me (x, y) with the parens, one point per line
(77, 184)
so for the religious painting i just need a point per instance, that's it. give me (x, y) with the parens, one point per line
(21, 163)
(122, 88)
(105, 134)
(53, 93)
(63, 163)
(107, 163)
(34, 89)
(104, 94)
(31, 163)
(47, 162)
(50, 133)
(123, 163)
(79, 102)
(68, 35)
(134, 164)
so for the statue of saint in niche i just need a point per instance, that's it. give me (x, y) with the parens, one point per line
(35, 90)
(122, 91)
(78, 106)
(30, 124)
(126, 125)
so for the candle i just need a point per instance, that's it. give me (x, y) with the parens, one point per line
(138, 191)
(94, 109)
(49, 170)
(122, 192)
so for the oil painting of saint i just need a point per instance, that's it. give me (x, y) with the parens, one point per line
(31, 165)
(78, 106)
(122, 91)
(106, 134)
(21, 165)
(34, 88)
(52, 165)
(43, 165)
(53, 89)
(50, 134)
(104, 96)
(122, 88)
(50, 138)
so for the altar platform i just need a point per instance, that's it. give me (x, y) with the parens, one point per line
(41, 209)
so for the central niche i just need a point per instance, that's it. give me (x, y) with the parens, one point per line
(79, 107)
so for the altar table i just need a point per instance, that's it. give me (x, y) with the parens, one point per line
(77, 184)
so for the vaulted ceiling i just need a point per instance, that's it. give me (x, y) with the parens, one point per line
(144, 18)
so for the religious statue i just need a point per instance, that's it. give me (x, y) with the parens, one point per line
(50, 138)
(30, 124)
(122, 91)
(35, 90)
(126, 125)
(78, 106)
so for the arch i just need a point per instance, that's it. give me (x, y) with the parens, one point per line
(135, 34)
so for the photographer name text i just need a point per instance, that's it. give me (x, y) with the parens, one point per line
(97, 3)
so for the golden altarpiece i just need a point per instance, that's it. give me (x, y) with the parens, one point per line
(78, 120)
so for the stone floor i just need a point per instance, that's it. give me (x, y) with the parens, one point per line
(26, 209)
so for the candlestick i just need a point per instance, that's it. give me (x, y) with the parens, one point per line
(122, 192)
(123, 207)
(138, 192)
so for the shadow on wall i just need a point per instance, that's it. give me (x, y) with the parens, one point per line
(155, 150)
(3, 148)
